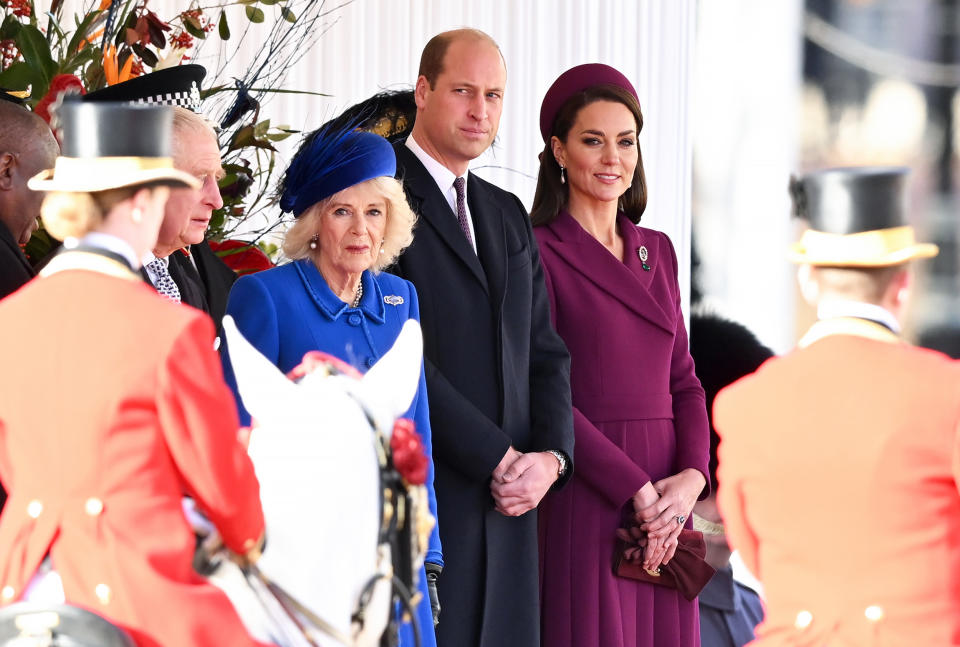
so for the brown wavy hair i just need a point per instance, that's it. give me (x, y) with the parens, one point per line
(552, 195)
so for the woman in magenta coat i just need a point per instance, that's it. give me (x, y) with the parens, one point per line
(642, 438)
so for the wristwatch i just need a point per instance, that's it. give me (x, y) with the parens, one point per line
(561, 459)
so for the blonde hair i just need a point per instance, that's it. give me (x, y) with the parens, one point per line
(67, 214)
(397, 235)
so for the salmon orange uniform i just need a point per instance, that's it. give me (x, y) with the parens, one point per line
(844, 500)
(840, 462)
(113, 408)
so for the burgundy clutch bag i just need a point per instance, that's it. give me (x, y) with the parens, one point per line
(687, 572)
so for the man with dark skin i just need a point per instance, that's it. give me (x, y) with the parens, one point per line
(26, 147)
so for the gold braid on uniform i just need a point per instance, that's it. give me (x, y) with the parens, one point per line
(707, 527)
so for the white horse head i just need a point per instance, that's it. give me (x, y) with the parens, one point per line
(315, 457)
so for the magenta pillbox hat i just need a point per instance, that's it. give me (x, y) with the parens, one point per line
(578, 79)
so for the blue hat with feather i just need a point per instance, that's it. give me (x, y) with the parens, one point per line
(330, 160)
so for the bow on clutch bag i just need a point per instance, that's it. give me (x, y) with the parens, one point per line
(687, 572)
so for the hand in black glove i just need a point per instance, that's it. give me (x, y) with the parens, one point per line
(433, 574)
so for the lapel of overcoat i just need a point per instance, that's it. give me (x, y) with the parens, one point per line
(188, 280)
(626, 282)
(488, 225)
(429, 204)
(7, 239)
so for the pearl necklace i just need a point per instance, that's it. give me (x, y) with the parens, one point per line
(356, 301)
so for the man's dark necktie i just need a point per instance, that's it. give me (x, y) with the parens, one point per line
(459, 185)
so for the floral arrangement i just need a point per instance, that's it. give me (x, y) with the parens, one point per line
(44, 53)
(108, 44)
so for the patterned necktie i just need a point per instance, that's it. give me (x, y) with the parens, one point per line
(165, 284)
(459, 184)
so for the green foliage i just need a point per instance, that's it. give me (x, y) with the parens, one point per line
(126, 38)
(223, 29)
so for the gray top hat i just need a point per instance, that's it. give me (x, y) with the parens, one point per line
(848, 200)
(857, 218)
(111, 145)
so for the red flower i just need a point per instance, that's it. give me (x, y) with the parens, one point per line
(241, 257)
(21, 8)
(409, 457)
(182, 39)
(61, 83)
(8, 52)
(315, 359)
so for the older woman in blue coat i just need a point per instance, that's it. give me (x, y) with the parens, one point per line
(352, 220)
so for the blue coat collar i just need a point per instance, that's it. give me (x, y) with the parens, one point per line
(371, 303)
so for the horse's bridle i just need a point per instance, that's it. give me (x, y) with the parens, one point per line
(396, 527)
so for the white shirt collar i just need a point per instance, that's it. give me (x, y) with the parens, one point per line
(443, 176)
(108, 242)
(842, 308)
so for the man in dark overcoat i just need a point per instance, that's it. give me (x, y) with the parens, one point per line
(26, 147)
(182, 254)
(497, 373)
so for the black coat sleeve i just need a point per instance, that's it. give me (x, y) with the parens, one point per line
(551, 406)
(463, 437)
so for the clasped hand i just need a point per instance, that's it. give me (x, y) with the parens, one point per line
(520, 481)
(657, 505)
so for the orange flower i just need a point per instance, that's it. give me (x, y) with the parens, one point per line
(104, 4)
(89, 40)
(110, 71)
(126, 73)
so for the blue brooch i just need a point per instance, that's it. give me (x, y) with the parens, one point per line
(393, 300)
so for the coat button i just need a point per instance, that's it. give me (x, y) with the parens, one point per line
(7, 593)
(354, 319)
(873, 613)
(804, 620)
(103, 593)
(371, 361)
(35, 508)
(93, 506)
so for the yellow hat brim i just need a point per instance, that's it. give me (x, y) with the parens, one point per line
(81, 175)
(878, 248)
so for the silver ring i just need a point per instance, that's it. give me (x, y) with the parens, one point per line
(680, 519)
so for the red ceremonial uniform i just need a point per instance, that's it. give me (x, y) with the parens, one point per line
(839, 472)
(112, 407)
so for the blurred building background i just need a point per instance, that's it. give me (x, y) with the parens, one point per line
(746, 132)
(816, 84)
